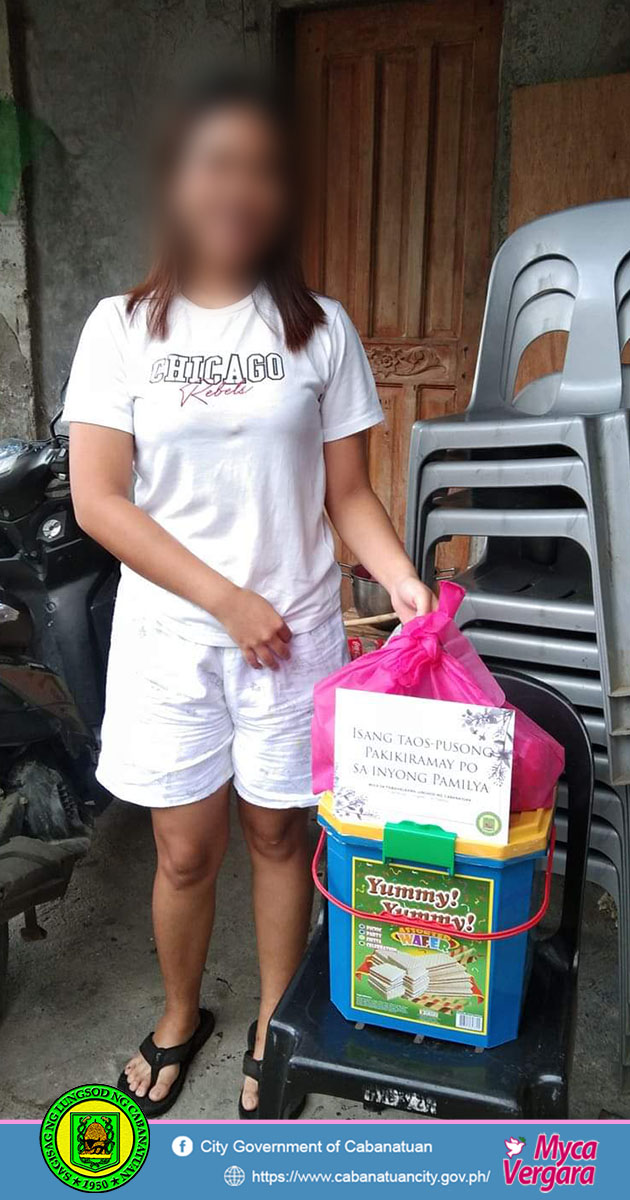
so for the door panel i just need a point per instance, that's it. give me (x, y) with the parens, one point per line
(350, 161)
(398, 104)
(400, 190)
(445, 251)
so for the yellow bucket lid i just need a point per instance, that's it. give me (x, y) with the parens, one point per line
(529, 832)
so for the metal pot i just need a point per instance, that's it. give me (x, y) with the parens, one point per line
(369, 597)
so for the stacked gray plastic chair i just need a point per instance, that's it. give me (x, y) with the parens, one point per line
(540, 479)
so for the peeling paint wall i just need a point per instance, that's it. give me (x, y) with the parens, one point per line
(89, 72)
(16, 385)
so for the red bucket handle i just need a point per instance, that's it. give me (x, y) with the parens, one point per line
(435, 926)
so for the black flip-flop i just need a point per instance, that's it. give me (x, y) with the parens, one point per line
(169, 1056)
(252, 1068)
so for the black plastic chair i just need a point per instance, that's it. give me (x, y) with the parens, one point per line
(312, 1048)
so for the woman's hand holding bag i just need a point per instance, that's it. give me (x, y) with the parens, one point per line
(431, 659)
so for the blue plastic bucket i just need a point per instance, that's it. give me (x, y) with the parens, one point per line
(431, 981)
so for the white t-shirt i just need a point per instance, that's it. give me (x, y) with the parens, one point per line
(229, 429)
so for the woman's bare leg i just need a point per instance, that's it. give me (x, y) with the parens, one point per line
(191, 840)
(278, 845)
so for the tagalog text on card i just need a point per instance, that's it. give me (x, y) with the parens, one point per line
(435, 762)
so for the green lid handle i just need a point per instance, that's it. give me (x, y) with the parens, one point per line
(427, 844)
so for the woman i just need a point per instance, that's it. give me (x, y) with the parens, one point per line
(235, 402)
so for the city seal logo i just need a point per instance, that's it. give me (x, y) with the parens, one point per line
(94, 1133)
(95, 1140)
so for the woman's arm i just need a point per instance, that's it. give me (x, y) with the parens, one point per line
(361, 521)
(101, 464)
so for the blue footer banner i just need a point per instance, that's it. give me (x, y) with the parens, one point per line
(90, 1146)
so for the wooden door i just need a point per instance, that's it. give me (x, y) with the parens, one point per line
(398, 106)
(570, 145)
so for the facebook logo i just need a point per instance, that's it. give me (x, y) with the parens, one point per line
(182, 1146)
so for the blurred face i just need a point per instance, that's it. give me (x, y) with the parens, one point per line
(228, 196)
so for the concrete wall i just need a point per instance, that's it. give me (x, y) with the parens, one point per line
(89, 71)
(16, 390)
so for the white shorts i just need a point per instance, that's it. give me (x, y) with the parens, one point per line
(182, 718)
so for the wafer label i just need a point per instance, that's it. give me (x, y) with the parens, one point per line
(431, 978)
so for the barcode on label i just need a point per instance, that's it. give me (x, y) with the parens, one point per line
(468, 1021)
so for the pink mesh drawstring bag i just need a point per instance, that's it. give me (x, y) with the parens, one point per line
(431, 659)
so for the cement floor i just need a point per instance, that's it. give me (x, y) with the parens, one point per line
(80, 1001)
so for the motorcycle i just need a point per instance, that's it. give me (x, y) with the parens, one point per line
(57, 591)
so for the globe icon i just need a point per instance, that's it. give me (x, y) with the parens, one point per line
(234, 1176)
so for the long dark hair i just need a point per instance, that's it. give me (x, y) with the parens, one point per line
(282, 273)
